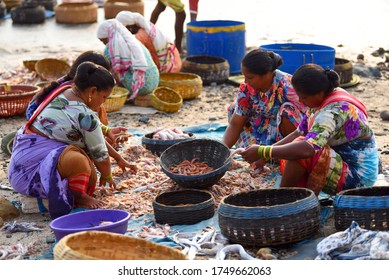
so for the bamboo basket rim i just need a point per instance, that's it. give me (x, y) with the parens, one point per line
(62, 245)
(22, 94)
(210, 199)
(222, 201)
(171, 90)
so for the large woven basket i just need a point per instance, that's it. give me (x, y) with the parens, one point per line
(113, 7)
(369, 207)
(50, 69)
(188, 85)
(30, 64)
(211, 69)
(269, 217)
(183, 207)
(157, 147)
(14, 99)
(73, 13)
(211, 152)
(116, 100)
(100, 245)
(166, 99)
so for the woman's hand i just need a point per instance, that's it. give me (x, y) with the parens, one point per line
(116, 135)
(250, 154)
(123, 164)
(110, 181)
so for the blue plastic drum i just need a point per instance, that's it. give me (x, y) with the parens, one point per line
(295, 55)
(221, 38)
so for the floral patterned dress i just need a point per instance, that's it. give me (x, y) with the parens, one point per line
(264, 110)
(342, 159)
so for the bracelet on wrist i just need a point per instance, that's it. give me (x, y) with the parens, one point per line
(107, 178)
(265, 152)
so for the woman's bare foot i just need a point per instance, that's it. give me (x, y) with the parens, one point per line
(85, 201)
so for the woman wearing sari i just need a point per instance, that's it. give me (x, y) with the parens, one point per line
(333, 148)
(62, 131)
(131, 61)
(164, 52)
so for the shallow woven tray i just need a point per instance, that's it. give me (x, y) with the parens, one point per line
(183, 207)
(50, 69)
(157, 147)
(369, 207)
(166, 99)
(100, 245)
(116, 100)
(14, 101)
(269, 217)
(188, 85)
(212, 152)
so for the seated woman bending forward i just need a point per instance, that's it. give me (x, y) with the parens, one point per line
(333, 148)
(55, 153)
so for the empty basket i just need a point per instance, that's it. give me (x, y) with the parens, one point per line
(116, 100)
(166, 99)
(15, 99)
(183, 207)
(369, 207)
(269, 217)
(188, 85)
(50, 69)
(100, 245)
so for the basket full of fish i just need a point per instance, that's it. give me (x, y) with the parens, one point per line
(159, 140)
(198, 163)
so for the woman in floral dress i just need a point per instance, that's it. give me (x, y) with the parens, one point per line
(333, 148)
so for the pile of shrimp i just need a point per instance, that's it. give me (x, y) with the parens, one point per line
(191, 167)
(136, 192)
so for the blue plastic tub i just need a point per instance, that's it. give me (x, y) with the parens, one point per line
(114, 221)
(295, 55)
(221, 38)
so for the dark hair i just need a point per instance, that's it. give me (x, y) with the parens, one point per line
(311, 79)
(91, 56)
(260, 61)
(89, 74)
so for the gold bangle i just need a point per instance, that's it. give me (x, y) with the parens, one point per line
(271, 152)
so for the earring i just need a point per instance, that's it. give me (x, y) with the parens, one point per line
(90, 98)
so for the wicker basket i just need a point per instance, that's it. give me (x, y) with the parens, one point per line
(14, 101)
(166, 99)
(211, 69)
(188, 85)
(183, 207)
(212, 152)
(30, 64)
(369, 207)
(269, 217)
(116, 100)
(157, 147)
(73, 13)
(113, 7)
(50, 69)
(100, 245)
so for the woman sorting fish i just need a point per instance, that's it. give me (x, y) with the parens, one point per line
(266, 108)
(64, 130)
(333, 148)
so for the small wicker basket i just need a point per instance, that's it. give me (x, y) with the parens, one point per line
(50, 69)
(188, 85)
(183, 207)
(157, 147)
(268, 217)
(369, 207)
(100, 245)
(166, 99)
(14, 99)
(116, 100)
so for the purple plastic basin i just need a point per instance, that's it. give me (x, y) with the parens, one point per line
(91, 220)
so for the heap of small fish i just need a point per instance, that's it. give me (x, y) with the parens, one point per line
(191, 167)
(136, 192)
(169, 134)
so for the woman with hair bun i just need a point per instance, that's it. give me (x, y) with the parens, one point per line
(55, 153)
(333, 148)
(266, 108)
